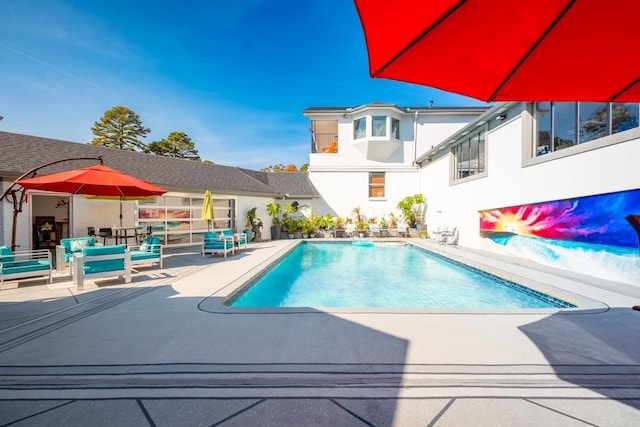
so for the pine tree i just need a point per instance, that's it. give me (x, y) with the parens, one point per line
(120, 128)
(177, 144)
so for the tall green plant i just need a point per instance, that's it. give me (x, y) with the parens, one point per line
(412, 208)
(274, 210)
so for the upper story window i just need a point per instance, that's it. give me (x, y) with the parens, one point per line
(360, 128)
(379, 125)
(376, 184)
(395, 128)
(469, 156)
(560, 125)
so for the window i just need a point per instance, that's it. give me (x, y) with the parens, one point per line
(376, 184)
(379, 125)
(360, 128)
(469, 156)
(178, 218)
(560, 125)
(395, 128)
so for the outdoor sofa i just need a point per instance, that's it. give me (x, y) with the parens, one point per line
(23, 264)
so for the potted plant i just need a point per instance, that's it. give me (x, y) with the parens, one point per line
(362, 226)
(292, 226)
(412, 208)
(361, 223)
(309, 226)
(274, 210)
(327, 223)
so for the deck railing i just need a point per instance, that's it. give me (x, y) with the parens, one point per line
(323, 142)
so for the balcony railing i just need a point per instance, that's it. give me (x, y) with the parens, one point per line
(325, 143)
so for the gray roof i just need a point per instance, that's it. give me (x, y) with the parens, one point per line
(21, 153)
(422, 109)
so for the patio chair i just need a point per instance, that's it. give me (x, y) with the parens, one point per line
(101, 261)
(440, 233)
(239, 239)
(70, 246)
(374, 229)
(148, 252)
(349, 230)
(450, 237)
(24, 264)
(214, 243)
(403, 230)
(105, 233)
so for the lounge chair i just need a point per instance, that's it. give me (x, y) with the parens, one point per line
(23, 264)
(332, 148)
(214, 243)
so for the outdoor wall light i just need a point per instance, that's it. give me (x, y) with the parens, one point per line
(501, 117)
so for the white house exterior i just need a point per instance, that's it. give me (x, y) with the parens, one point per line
(472, 164)
(377, 147)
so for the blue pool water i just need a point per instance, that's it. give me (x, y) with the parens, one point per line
(345, 275)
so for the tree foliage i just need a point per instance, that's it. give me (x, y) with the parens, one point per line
(177, 144)
(274, 168)
(412, 208)
(280, 168)
(120, 128)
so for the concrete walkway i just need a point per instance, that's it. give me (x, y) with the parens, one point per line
(164, 351)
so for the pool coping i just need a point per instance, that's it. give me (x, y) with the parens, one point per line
(557, 283)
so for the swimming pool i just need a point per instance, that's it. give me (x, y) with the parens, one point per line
(392, 276)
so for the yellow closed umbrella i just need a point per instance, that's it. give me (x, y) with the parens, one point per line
(207, 209)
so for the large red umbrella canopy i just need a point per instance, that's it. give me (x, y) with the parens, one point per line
(508, 50)
(97, 180)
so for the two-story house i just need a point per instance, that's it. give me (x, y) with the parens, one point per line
(366, 156)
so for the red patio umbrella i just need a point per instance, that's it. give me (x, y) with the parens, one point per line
(97, 180)
(506, 50)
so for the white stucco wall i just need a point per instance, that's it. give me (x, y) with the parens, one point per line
(508, 182)
(343, 191)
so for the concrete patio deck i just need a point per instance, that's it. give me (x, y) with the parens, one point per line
(162, 350)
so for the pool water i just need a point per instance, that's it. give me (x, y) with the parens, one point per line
(345, 275)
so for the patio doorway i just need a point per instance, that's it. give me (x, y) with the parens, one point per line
(49, 220)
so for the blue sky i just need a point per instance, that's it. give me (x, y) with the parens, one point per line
(235, 76)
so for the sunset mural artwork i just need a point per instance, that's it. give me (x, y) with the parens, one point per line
(586, 234)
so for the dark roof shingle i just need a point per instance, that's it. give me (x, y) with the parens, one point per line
(21, 153)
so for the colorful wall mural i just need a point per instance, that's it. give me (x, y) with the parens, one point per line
(585, 234)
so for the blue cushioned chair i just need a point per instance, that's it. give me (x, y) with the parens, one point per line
(240, 239)
(148, 252)
(23, 264)
(68, 247)
(101, 261)
(214, 243)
